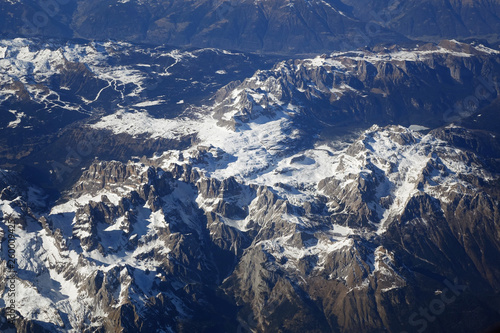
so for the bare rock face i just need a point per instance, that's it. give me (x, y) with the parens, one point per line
(107, 174)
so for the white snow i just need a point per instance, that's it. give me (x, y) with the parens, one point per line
(70, 205)
(322, 61)
(149, 103)
(280, 247)
(139, 122)
(19, 117)
(412, 55)
(485, 49)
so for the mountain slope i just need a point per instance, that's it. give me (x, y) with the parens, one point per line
(271, 26)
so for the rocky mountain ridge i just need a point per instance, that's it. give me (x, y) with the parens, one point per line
(128, 236)
(270, 26)
(273, 205)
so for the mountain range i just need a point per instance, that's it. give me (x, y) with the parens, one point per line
(286, 27)
(250, 166)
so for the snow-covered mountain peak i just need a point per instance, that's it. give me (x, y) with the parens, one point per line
(389, 166)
